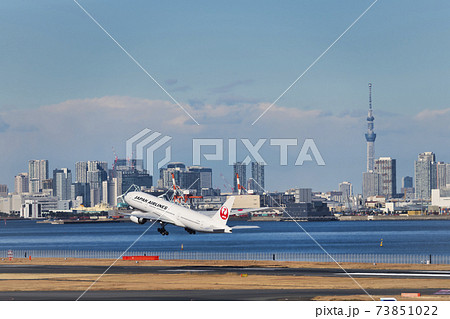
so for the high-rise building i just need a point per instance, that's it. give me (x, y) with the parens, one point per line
(204, 174)
(3, 190)
(81, 169)
(425, 175)
(407, 182)
(83, 190)
(110, 191)
(47, 184)
(62, 184)
(21, 183)
(93, 173)
(190, 180)
(441, 178)
(165, 174)
(37, 172)
(386, 168)
(258, 177)
(370, 135)
(447, 178)
(127, 178)
(196, 178)
(240, 169)
(407, 187)
(371, 184)
(346, 189)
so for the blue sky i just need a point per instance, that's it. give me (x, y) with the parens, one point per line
(232, 56)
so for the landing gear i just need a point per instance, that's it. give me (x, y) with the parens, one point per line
(190, 231)
(163, 230)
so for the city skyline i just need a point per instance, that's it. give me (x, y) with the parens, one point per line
(69, 93)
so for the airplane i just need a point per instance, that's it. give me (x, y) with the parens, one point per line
(151, 208)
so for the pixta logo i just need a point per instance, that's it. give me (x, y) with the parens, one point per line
(142, 147)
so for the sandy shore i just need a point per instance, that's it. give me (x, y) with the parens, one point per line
(192, 281)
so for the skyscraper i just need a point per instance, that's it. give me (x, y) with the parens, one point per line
(346, 189)
(386, 168)
(21, 183)
(37, 172)
(371, 184)
(258, 176)
(204, 174)
(62, 183)
(241, 169)
(425, 175)
(441, 178)
(3, 190)
(370, 135)
(81, 169)
(407, 182)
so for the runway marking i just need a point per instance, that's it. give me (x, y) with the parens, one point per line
(396, 274)
(185, 270)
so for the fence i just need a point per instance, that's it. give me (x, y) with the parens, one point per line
(279, 256)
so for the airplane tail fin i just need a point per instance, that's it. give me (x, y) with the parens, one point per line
(221, 216)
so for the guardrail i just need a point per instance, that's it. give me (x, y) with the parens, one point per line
(192, 255)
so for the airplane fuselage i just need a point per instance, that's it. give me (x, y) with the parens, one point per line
(154, 208)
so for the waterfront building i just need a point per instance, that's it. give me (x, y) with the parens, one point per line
(3, 190)
(37, 172)
(31, 209)
(386, 168)
(301, 195)
(407, 187)
(447, 177)
(110, 192)
(62, 184)
(21, 183)
(440, 197)
(81, 169)
(425, 175)
(441, 178)
(346, 189)
(371, 184)
(81, 191)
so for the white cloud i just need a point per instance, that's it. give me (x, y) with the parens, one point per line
(428, 114)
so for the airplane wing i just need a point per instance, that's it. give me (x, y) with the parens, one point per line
(244, 227)
(250, 210)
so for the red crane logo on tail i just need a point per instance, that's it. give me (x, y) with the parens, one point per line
(224, 213)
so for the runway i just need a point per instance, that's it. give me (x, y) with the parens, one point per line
(273, 271)
(199, 295)
(161, 294)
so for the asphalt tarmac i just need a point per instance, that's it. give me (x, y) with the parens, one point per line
(256, 270)
(199, 295)
(175, 295)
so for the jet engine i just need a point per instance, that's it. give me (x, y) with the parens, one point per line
(138, 220)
